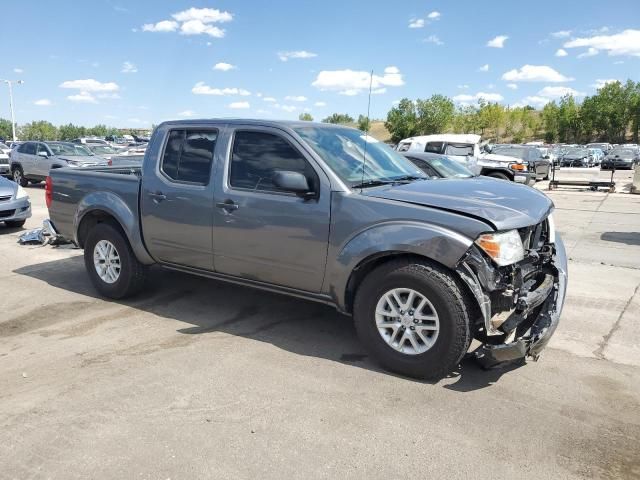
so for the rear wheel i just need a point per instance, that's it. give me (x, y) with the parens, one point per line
(412, 318)
(111, 264)
(18, 176)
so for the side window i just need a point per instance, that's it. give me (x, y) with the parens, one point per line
(188, 155)
(29, 148)
(404, 147)
(434, 147)
(256, 156)
(42, 149)
(424, 166)
(460, 150)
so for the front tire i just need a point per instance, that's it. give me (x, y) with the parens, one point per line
(111, 264)
(413, 319)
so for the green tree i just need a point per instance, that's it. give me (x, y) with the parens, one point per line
(434, 114)
(306, 117)
(98, 131)
(569, 124)
(550, 121)
(341, 118)
(492, 117)
(38, 130)
(402, 120)
(5, 129)
(364, 123)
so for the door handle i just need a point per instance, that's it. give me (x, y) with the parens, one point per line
(228, 205)
(157, 196)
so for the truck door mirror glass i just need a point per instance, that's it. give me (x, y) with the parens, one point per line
(294, 182)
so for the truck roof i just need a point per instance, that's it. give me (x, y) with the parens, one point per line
(252, 121)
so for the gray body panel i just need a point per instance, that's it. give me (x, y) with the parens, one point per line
(283, 242)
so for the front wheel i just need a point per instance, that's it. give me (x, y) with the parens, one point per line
(18, 176)
(413, 319)
(111, 264)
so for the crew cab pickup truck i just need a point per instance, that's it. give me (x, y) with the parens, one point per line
(327, 213)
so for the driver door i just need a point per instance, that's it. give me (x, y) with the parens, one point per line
(42, 162)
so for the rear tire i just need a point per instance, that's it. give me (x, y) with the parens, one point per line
(18, 176)
(131, 274)
(440, 288)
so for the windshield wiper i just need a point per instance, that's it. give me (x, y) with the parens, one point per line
(408, 178)
(372, 183)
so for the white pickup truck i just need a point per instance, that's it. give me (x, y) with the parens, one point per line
(467, 148)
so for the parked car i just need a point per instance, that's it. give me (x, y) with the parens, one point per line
(439, 166)
(577, 157)
(31, 161)
(619, 158)
(15, 207)
(538, 164)
(90, 141)
(327, 213)
(605, 147)
(468, 148)
(5, 150)
(116, 157)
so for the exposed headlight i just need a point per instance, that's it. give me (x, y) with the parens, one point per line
(21, 193)
(505, 248)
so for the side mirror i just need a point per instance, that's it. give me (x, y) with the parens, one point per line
(294, 182)
(43, 154)
(546, 157)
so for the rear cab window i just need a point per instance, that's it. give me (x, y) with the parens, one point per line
(434, 147)
(188, 155)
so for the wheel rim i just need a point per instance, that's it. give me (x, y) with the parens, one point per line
(106, 260)
(407, 321)
(17, 176)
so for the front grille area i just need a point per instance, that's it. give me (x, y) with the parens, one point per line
(535, 236)
(4, 161)
(7, 213)
(5, 198)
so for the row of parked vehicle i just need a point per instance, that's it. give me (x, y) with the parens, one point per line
(604, 155)
(31, 161)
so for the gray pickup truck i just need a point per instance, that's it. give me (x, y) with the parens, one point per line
(327, 213)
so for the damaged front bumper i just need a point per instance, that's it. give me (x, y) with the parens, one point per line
(523, 329)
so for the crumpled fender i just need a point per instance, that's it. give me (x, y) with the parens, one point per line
(116, 207)
(432, 241)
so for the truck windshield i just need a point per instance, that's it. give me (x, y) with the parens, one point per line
(343, 149)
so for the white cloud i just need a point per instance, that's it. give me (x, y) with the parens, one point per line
(535, 73)
(534, 101)
(489, 97)
(286, 108)
(284, 56)
(194, 21)
(108, 95)
(624, 43)
(416, 23)
(224, 67)
(378, 91)
(90, 85)
(128, 67)
(484, 68)
(269, 99)
(465, 86)
(201, 88)
(82, 97)
(163, 26)
(296, 98)
(434, 15)
(18, 70)
(204, 15)
(353, 82)
(512, 86)
(320, 104)
(591, 52)
(186, 113)
(497, 42)
(239, 105)
(561, 34)
(43, 102)
(557, 92)
(433, 39)
(601, 82)
(561, 52)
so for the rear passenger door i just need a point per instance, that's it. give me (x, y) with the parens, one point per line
(27, 157)
(176, 198)
(261, 233)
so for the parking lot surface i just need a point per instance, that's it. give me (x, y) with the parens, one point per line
(196, 378)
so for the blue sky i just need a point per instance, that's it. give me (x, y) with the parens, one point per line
(134, 63)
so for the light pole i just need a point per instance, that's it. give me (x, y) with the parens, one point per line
(13, 119)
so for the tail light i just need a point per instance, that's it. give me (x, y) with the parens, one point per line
(48, 191)
(109, 162)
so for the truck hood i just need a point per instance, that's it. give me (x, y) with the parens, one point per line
(503, 205)
(7, 187)
(494, 157)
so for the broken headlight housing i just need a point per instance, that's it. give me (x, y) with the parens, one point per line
(504, 248)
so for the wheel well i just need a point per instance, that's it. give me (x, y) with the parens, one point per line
(92, 219)
(371, 263)
(488, 171)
